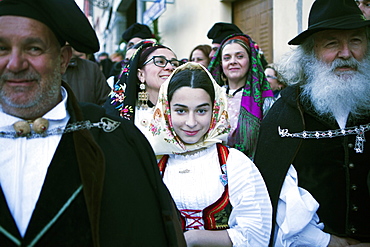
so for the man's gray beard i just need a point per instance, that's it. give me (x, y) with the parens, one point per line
(336, 94)
(46, 99)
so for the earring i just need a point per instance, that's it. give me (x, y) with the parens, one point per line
(143, 97)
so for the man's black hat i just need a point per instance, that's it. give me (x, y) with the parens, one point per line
(221, 30)
(63, 17)
(332, 14)
(137, 30)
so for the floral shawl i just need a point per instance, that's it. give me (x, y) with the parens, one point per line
(165, 138)
(256, 93)
(122, 99)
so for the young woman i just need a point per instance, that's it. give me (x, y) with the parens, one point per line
(237, 66)
(220, 193)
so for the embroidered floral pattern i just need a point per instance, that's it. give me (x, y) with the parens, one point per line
(223, 176)
(222, 218)
(118, 96)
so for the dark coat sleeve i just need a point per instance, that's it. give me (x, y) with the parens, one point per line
(275, 154)
(136, 209)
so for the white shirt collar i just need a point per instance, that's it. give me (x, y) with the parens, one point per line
(59, 112)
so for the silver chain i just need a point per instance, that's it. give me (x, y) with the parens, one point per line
(107, 124)
(358, 131)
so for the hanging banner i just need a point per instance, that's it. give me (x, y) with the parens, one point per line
(155, 11)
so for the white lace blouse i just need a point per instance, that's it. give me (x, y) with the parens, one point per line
(194, 183)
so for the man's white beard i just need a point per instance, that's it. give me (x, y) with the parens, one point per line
(336, 94)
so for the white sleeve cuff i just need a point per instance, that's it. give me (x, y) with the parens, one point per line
(237, 238)
(297, 223)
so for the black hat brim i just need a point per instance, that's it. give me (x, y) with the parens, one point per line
(342, 23)
(63, 17)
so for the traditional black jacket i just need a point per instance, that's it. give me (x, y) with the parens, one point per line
(101, 189)
(329, 168)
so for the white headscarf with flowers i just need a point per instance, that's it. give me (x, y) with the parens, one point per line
(165, 140)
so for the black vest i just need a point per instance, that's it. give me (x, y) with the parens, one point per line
(62, 184)
(329, 168)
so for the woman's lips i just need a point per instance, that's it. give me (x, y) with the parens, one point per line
(191, 133)
(234, 69)
(164, 76)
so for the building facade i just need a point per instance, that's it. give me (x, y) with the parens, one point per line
(183, 24)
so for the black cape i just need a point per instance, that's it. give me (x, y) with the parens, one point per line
(123, 201)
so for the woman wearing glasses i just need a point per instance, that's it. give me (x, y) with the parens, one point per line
(136, 92)
(275, 82)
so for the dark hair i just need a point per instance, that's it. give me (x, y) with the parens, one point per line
(193, 76)
(147, 51)
(103, 54)
(241, 42)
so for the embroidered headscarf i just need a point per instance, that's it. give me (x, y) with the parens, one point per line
(165, 139)
(255, 92)
(123, 97)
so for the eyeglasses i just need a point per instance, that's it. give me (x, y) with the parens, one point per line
(162, 62)
(271, 76)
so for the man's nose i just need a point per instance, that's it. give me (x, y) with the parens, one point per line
(345, 51)
(16, 62)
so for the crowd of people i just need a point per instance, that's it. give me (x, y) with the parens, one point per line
(140, 148)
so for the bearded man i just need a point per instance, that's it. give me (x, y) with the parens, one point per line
(311, 150)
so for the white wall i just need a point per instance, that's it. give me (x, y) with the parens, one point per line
(185, 24)
(290, 17)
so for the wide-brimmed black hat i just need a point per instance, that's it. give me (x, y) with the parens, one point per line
(332, 14)
(63, 17)
(137, 30)
(221, 30)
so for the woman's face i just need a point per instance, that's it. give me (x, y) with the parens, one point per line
(191, 114)
(235, 62)
(199, 57)
(153, 75)
(271, 77)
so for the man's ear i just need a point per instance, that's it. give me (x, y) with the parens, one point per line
(65, 55)
(141, 75)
